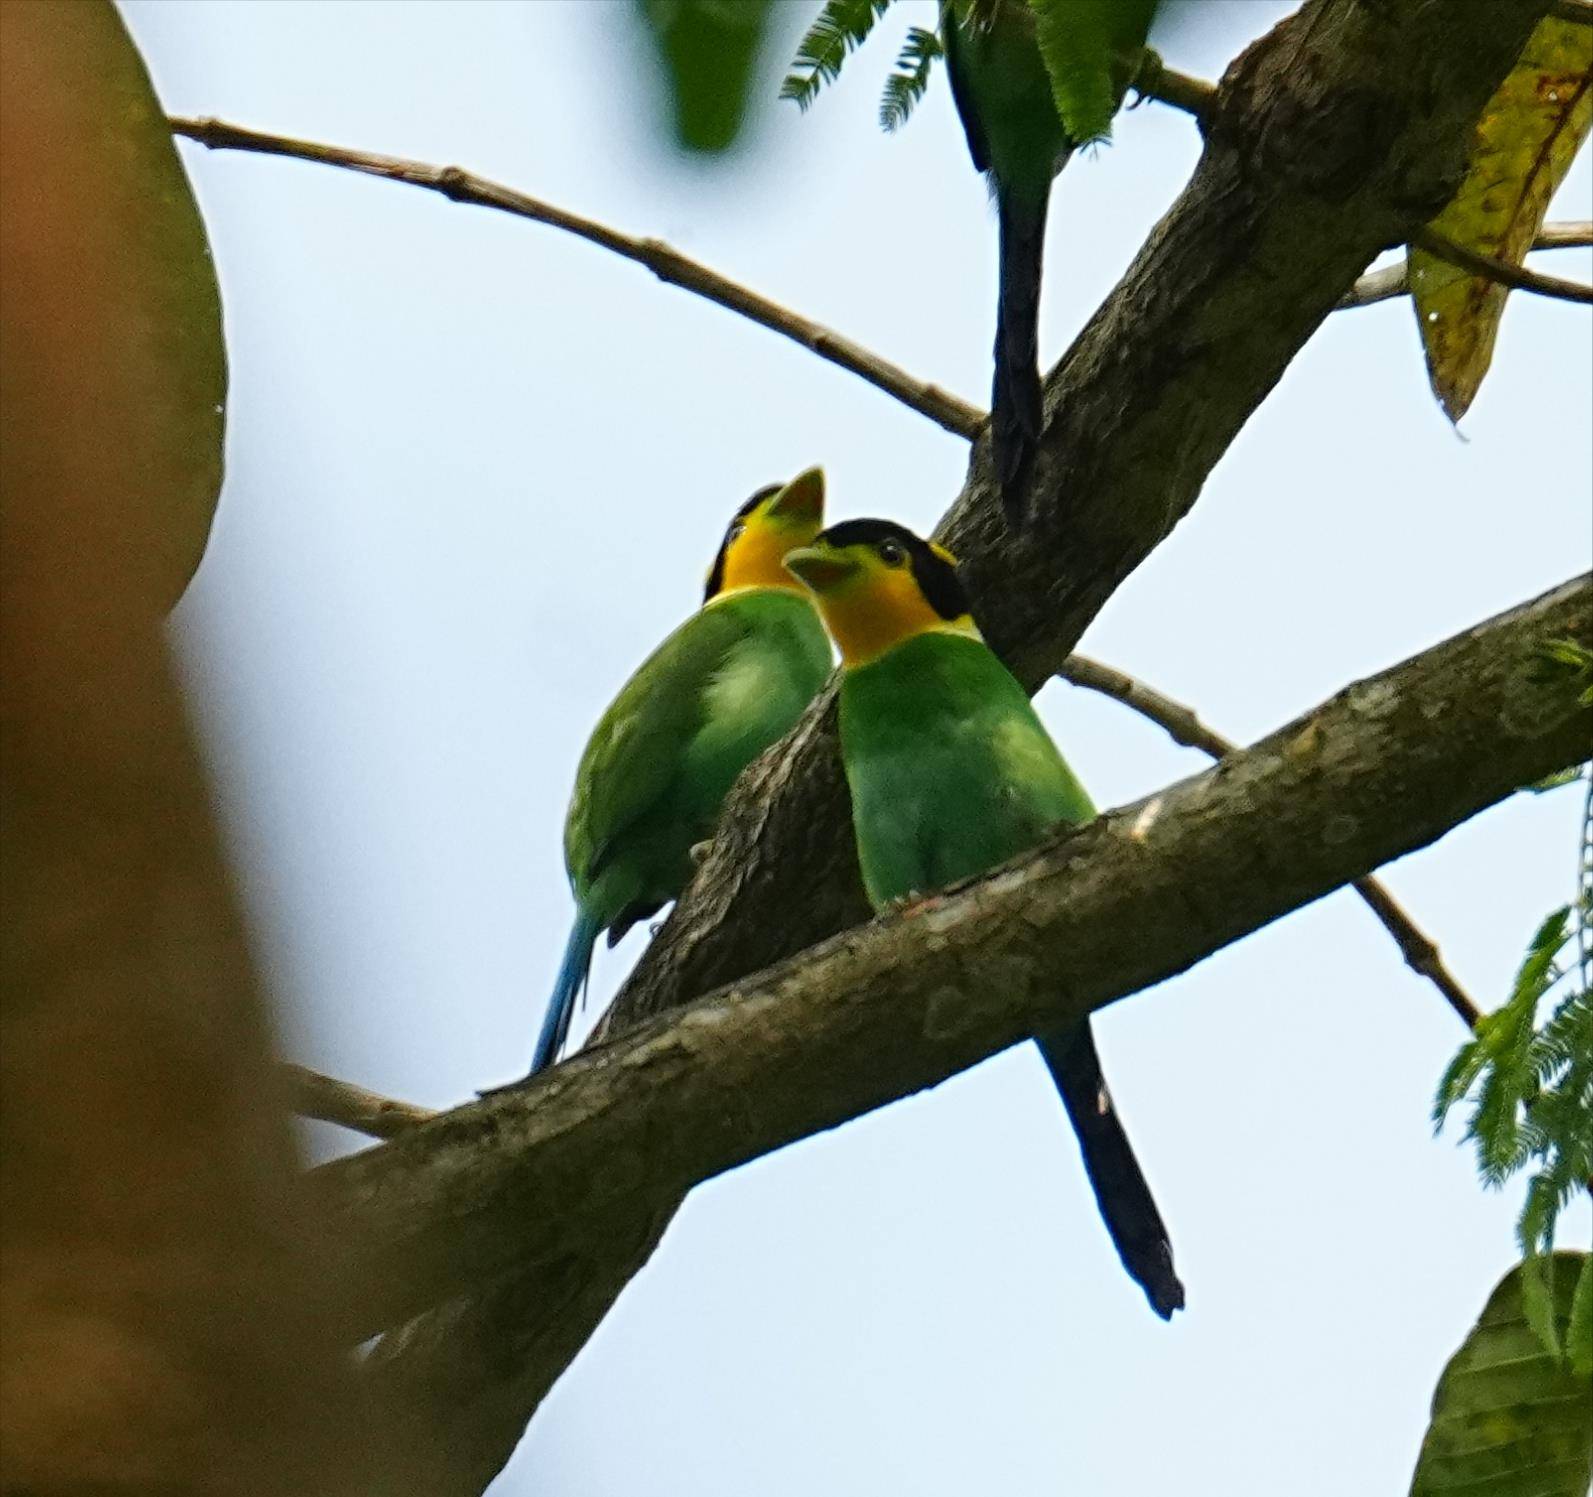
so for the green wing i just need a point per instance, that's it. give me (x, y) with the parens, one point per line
(634, 754)
(962, 95)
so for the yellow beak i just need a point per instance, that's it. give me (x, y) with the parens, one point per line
(801, 499)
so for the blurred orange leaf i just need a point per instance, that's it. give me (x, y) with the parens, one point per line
(109, 310)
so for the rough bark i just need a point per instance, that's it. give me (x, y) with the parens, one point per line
(456, 1386)
(1094, 914)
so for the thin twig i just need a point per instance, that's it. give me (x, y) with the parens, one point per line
(1506, 274)
(1184, 727)
(312, 1095)
(668, 264)
(1394, 280)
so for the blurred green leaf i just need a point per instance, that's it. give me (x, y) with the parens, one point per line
(1509, 1419)
(1524, 145)
(1579, 1333)
(1086, 45)
(708, 49)
(109, 308)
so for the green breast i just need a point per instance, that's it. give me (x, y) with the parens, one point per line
(950, 770)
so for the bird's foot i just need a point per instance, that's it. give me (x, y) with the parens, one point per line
(911, 903)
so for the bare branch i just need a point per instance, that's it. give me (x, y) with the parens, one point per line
(1184, 727)
(313, 1095)
(1394, 280)
(668, 264)
(616, 1135)
(1502, 271)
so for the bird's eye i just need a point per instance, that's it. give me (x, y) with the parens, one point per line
(735, 532)
(891, 554)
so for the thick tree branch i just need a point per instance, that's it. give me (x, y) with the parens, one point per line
(1184, 727)
(1394, 280)
(665, 262)
(616, 1135)
(474, 1369)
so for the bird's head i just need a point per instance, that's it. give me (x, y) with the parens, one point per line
(773, 521)
(878, 584)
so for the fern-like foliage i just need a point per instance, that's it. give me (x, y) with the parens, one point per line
(841, 27)
(905, 87)
(1531, 1090)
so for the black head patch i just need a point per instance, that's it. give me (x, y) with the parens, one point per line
(716, 573)
(936, 575)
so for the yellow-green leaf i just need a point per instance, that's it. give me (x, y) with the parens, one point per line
(1510, 1419)
(1523, 147)
(112, 368)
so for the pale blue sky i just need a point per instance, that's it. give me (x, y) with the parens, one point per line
(476, 470)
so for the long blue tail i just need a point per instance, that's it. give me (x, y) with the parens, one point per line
(569, 982)
(1121, 1190)
(1017, 410)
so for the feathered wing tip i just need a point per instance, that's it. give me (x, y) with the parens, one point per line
(1121, 1190)
(566, 986)
(1016, 406)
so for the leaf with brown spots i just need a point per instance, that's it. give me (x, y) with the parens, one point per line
(1525, 142)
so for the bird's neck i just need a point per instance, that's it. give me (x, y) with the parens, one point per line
(757, 559)
(864, 635)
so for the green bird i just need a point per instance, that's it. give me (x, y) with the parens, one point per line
(728, 683)
(1007, 103)
(951, 773)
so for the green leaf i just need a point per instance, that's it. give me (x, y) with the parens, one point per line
(1523, 147)
(1087, 46)
(905, 87)
(111, 352)
(842, 26)
(708, 49)
(1579, 1330)
(1509, 1419)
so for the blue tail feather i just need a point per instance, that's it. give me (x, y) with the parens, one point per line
(1121, 1190)
(566, 986)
